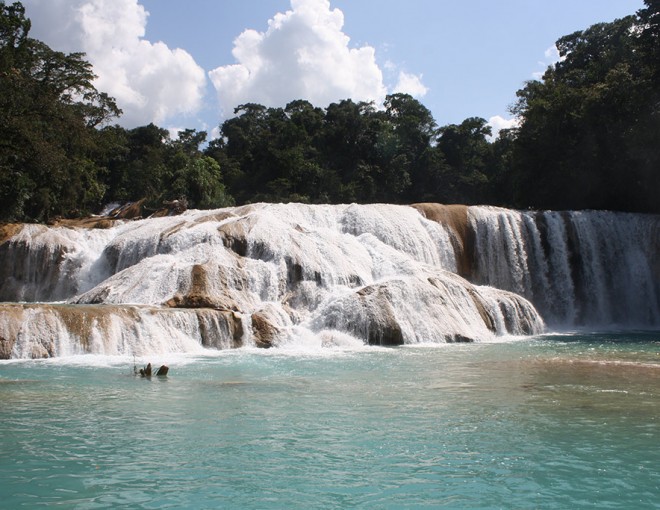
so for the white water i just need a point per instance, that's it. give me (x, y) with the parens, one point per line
(581, 268)
(298, 275)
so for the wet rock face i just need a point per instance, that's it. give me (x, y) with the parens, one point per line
(129, 211)
(383, 328)
(43, 331)
(261, 275)
(201, 301)
(6, 346)
(455, 218)
(9, 230)
(36, 264)
(220, 329)
(171, 208)
(264, 331)
(460, 339)
(11, 316)
(201, 292)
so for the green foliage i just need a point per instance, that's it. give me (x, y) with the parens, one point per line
(349, 152)
(195, 177)
(590, 128)
(468, 155)
(48, 111)
(587, 138)
(145, 164)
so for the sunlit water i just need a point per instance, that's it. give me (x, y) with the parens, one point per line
(553, 422)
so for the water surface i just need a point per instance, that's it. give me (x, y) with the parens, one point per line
(566, 421)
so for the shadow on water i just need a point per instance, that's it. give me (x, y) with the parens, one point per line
(610, 336)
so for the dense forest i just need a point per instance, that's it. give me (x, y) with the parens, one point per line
(588, 138)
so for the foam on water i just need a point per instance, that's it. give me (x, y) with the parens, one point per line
(590, 268)
(287, 274)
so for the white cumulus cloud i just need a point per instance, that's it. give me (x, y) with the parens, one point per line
(551, 55)
(150, 81)
(498, 123)
(411, 84)
(304, 54)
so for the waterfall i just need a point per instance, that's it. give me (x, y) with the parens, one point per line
(579, 268)
(62, 330)
(267, 275)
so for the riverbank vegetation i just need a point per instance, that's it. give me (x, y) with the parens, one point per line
(588, 138)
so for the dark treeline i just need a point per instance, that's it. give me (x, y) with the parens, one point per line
(589, 137)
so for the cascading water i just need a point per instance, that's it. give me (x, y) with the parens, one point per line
(579, 268)
(274, 274)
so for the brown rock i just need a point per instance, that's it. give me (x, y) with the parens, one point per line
(192, 300)
(454, 217)
(234, 236)
(132, 210)
(172, 208)
(100, 222)
(198, 296)
(383, 327)
(6, 346)
(263, 330)
(9, 230)
(457, 338)
(220, 329)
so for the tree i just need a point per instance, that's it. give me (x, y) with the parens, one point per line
(139, 166)
(192, 176)
(247, 140)
(199, 182)
(345, 145)
(589, 131)
(468, 155)
(414, 129)
(49, 110)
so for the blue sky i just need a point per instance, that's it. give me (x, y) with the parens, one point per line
(189, 63)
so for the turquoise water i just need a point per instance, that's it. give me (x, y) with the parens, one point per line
(556, 422)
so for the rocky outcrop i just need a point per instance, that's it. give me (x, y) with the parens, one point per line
(383, 328)
(171, 208)
(220, 329)
(441, 308)
(235, 235)
(264, 332)
(454, 217)
(6, 347)
(262, 275)
(43, 330)
(9, 230)
(101, 222)
(36, 264)
(128, 211)
(198, 295)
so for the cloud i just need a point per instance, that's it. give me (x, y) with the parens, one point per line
(411, 84)
(551, 57)
(552, 54)
(497, 123)
(304, 54)
(150, 81)
(390, 66)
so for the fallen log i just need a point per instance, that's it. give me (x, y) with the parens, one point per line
(147, 371)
